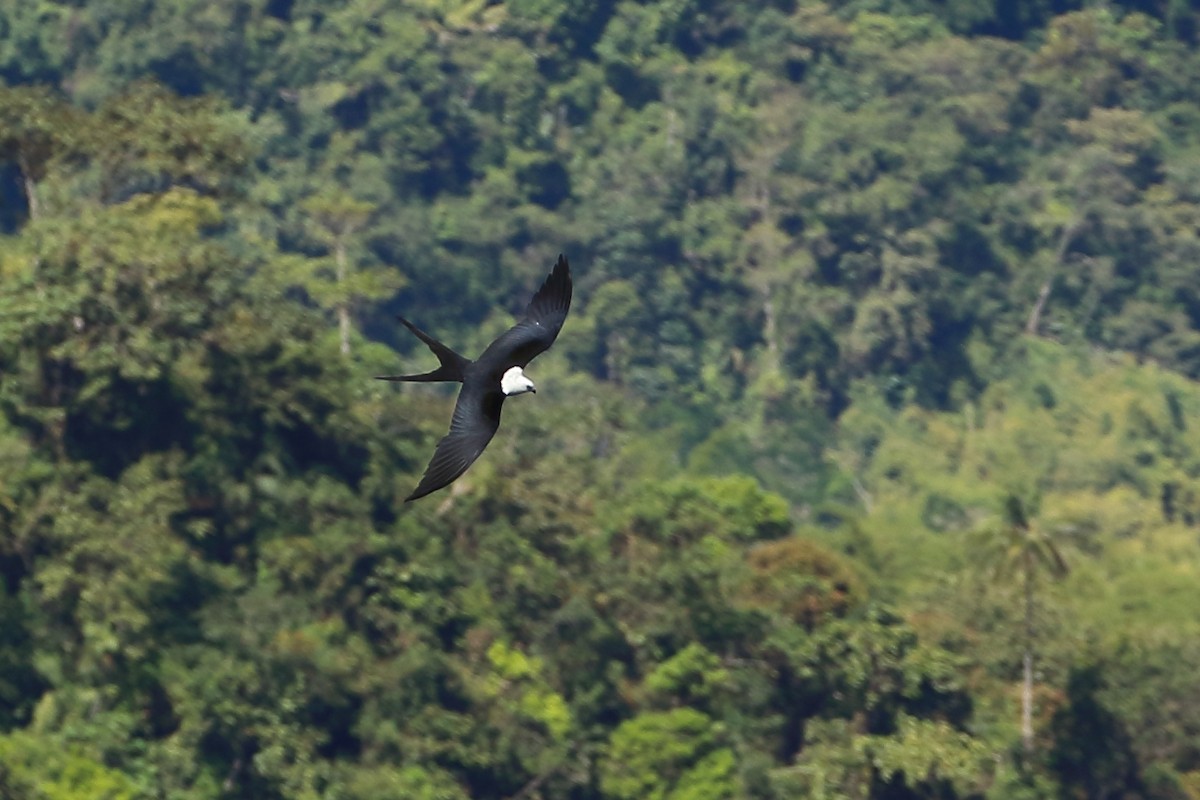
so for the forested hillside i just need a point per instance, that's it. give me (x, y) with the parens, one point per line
(867, 464)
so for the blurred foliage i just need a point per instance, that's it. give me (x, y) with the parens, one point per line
(873, 300)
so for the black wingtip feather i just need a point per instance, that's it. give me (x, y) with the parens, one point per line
(554, 296)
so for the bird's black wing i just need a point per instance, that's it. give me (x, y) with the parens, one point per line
(538, 327)
(476, 418)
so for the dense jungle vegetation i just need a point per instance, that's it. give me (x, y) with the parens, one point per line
(866, 466)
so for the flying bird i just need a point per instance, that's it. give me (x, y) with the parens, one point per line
(499, 372)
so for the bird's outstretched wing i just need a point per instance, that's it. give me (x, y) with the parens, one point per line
(476, 418)
(538, 327)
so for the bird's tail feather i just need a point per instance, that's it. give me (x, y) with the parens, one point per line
(453, 366)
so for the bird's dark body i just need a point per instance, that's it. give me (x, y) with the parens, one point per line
(477, 410)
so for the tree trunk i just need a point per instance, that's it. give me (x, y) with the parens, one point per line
(31, 198)
(770, 327)
(1060, 256)
(343, 308)
(1027, 703)
(1035, 316)
(861, 493)
(1027, 665)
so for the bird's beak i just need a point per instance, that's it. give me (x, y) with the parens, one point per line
(533, 390)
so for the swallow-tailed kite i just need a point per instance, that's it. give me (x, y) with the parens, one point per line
(496, 374)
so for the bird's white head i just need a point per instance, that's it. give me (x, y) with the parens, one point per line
(515, 381)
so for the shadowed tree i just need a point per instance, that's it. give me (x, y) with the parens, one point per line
(1092, 752)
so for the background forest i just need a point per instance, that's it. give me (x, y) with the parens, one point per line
(874, 425)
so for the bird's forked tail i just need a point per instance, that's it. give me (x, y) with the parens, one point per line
(453, 366)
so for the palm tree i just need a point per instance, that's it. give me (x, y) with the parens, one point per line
(1022, 548)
